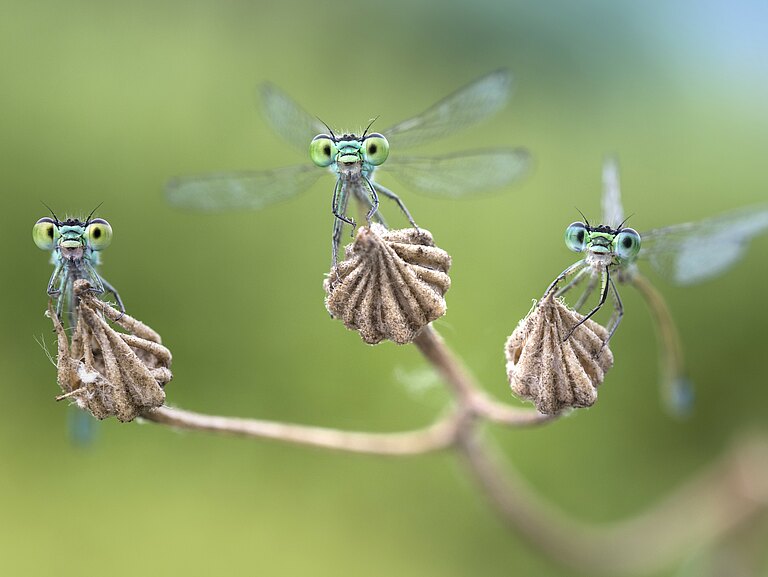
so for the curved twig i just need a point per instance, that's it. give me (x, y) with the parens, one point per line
(465, 388)
(709, 506)
(440, 435)
(728, 494)
(503, 414)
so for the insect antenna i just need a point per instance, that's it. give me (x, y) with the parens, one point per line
(584, 217)
(623, 222)
(56, 218)
(328, 127)
(369, 126)
(87, 220)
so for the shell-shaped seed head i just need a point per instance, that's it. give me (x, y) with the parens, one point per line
(390, 284)
(107, 372)
(557, 374)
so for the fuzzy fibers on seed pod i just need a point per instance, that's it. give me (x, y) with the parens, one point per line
(390, 284)
(553, 373)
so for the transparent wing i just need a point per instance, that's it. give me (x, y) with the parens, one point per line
(466, 106)
(288, 119)
(461, 174)
(693, 252)
(613, 212)
(238, 190)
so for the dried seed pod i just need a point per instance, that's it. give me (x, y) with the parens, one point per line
(553, 373)
(390, 284)
(106, 372)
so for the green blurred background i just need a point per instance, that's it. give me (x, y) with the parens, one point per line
(105, 101)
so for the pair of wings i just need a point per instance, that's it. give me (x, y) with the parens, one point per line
(454, 175)
(692, 252)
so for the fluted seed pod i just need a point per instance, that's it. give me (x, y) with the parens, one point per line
(390, 284)
(106, 372)
(553, 373)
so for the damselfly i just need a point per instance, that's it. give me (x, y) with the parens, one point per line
(353, 158)
(75, 248)
(685, 253)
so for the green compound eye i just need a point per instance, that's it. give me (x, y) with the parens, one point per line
(44, 233)
(322, 150)
(376, 148)
(576, 236)
(627, 244)
(99, 234)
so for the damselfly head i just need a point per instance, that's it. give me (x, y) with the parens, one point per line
(624, 243)
(72, 236)
(349, 149)
(580, 237)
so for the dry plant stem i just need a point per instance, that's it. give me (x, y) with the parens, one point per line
(730, 493)
(433, 438)
(469, 396)
(472, 402)
(434, 349)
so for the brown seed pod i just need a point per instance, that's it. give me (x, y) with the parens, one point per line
(553, 373)
(390, 284)
(106, 372)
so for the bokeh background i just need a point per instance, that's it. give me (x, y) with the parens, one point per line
(102, 102)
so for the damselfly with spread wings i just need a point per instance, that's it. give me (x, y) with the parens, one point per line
(353, 159)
